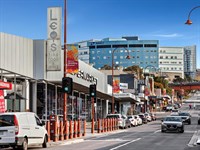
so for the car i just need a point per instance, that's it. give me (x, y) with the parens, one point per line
(148, 116)
(127, 121)
(133, 120)
(139, 120)
(153, 116)
(169, 107)
(120, 118)
(172, 123)
(21, 130)
(199, 119)
(186, 117)
(143, 117)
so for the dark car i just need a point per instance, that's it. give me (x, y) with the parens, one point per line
(143, 117)
(186, 117)
(172, 123)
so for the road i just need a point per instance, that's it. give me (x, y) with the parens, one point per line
(145, 137)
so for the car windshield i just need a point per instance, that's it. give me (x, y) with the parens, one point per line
(6, 120)
(183, 114)
(175, 119)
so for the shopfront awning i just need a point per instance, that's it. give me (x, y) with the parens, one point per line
(126, 97)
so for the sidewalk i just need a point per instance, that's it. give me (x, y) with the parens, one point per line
(87, 136)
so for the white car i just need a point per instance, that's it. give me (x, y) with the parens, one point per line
(134, 121)
(139, 120)
(22, 129)
(148, 117)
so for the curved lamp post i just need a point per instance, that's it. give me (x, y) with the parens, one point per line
(113, 99)
(189, 22)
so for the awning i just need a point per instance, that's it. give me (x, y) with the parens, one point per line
(12, 96)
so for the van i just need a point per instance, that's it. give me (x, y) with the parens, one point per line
(22, 129)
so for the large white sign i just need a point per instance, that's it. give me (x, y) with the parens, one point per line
(54, 15)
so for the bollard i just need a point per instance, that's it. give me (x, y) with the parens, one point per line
(75, 129)
(55, 133)
(61, 137)
(98, 127)
(102, 124)
(106, 125)
(70, 130)
(111, 125)
(48, 130)
(92, 126)
(84, 128)
(113, 120)
(79, 128)
(66, 130)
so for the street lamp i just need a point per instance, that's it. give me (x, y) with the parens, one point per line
(189, 22)
(113, 99)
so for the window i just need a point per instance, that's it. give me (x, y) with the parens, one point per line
(166, 57)
(150, 45)
(104, 57)
(138, 56)
(171, 57)
(121, 51)
(133, 51)
(121, 57)
(161, 57)
(103, 46)
(119, 45)
(85, 52)
(115, 57)
(136, 45)
(93, 57)
(91, 47)
(93, 52)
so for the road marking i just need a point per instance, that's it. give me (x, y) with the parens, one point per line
(193, 139)
(108, 140)
(157, 131)
(125, 144)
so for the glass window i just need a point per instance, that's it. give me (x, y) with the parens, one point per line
(104, 57)
(121, 57)
(93, 57)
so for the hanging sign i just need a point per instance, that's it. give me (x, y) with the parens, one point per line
(72, 59)
(2, 102)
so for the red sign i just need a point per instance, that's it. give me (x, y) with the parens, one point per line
(5, 85)
(2, 102)
(72, 59)
(116, 87)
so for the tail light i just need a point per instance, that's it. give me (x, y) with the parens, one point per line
(16, 125)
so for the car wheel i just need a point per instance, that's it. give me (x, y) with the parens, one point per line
(162, 130)
(24, 145)
(182, 131)
(189, 122)
(44, 144)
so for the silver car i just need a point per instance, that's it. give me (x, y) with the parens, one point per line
(172, 123)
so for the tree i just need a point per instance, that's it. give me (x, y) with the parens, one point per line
(134, 70)
(106, 67)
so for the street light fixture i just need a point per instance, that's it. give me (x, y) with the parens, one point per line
(113, 99)
(189, 22)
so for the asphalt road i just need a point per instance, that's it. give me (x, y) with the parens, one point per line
(145, 137)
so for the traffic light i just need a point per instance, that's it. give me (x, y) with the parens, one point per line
(67, 85)
(93, 90)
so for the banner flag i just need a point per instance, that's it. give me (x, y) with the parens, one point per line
(72, 59)
(116, 84)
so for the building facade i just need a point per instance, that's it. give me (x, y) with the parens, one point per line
(142, 52)
(171, 62)
(190, 63)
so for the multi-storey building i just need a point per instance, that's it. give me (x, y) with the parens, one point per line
(190, 61)
(142, 52)
(171, 62)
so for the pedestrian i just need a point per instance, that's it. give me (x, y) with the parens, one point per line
(190, 106)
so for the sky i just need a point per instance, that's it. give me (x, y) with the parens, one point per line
(161, 20)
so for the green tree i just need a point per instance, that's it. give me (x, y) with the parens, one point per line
(134, 70)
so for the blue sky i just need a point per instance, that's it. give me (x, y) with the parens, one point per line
(161, 20)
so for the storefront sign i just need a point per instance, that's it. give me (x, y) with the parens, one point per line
(85, 76)
(72, 59)
(123, 86)
(5, 85)
(2, 102)
(54, 39)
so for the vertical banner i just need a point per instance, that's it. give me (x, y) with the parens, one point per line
(164, 92)
(53, 59)
(116, 84)
(2, 102)
(72, 59)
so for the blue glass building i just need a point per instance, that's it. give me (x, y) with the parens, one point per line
(142, 52)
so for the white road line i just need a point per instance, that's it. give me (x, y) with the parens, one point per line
(157, 131)
(125, 144)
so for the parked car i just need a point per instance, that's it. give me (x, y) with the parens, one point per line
(143, 117)
(22, 129)
(121, 119)
(139, 120)
(153, 116)
(169, 107)
(133, 120)
(172, 123)
(149, 119)
(127, 121)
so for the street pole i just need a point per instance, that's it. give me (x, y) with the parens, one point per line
(65, 68)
